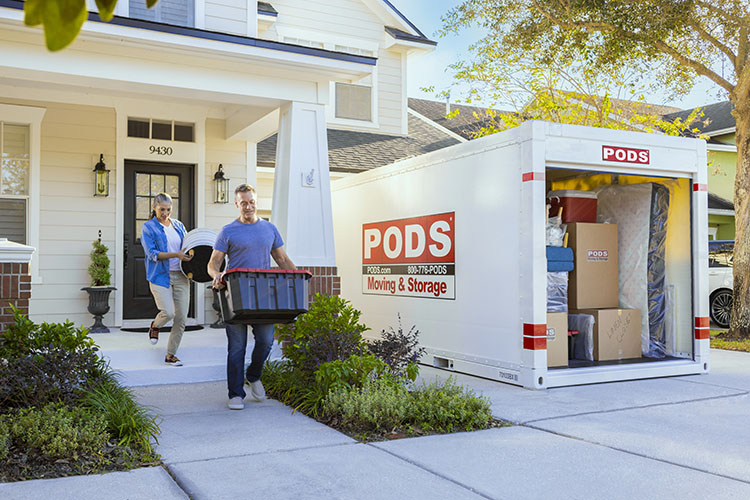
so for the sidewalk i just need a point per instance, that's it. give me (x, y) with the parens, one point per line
(683, 437)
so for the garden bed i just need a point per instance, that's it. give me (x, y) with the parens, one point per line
(366, 390)
(62, 409)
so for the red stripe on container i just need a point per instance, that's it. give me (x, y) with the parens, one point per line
(532, 330)
(290, 271)
(535, 343)
(533, 176)
(702, 333)
(700, 187)
(701, 322)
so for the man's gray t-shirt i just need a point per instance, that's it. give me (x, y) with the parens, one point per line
(248, 246)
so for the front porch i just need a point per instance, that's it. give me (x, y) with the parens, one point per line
(91, 99)
(203, 352)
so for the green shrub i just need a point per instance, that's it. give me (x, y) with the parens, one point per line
(447, 407)
(330, 330)
(127, 421)
(380, 406)
(51, 375)
(4, 437)
(400, 350)
(23, 336)
(377, 406)
(99, 268)
(59, 432)
(354, 371)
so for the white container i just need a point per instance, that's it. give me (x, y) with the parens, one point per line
(480, 305)
(199, 243)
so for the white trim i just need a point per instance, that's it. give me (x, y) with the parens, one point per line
(730, 148)
(438, 126)
(132, 149)
(720, 211)
(252, 18)
(13, 252)
(199, 18)
(404, 95)
(722, 131)
(31, 116)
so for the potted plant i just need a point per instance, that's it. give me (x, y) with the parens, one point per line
(100, 285)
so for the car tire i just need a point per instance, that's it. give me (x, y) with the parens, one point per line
(721, 308)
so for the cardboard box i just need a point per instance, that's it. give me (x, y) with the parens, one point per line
(617, 333)
(593, 282)
(557, 339)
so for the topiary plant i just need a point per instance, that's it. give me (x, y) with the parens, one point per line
(99, 268)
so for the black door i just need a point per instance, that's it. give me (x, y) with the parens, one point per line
(143, 181)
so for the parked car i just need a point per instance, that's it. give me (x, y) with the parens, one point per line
(720, 281)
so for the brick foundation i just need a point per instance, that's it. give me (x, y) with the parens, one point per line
(324, 280)
(15, 290)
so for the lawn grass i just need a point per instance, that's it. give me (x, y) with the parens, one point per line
(718, 342)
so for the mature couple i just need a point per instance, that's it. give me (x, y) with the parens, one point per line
(248, 242)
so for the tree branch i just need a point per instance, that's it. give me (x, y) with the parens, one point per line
(705, 35)
(699, 68)
(742, 51)
(661, 45)
(722, 12)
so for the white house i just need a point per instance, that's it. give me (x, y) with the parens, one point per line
(163, 97)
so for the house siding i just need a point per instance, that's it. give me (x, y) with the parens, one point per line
(347, 19)
(227, 16)
(72, 137)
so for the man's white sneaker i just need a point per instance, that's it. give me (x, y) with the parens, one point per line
(257, 390)
(236, 403)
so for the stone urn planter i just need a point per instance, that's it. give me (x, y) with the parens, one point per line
(98, 306)
(100, 285)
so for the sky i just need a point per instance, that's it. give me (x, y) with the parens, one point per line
(431, 69)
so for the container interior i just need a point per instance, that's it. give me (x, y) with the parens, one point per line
(654, 265)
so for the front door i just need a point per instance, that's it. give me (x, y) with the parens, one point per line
(143, 181)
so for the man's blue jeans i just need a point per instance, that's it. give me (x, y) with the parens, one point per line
(236, 346)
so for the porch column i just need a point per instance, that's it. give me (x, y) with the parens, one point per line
(302, 193)
(15, 280)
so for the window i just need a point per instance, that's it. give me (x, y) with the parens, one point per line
(14, 180)
(163, 130)
(353, 102)
(147, 186)
(174, 12)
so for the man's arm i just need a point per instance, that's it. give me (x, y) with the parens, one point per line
(214, 264)
(281, 258)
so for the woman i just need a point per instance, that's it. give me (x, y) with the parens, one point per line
(161, 238)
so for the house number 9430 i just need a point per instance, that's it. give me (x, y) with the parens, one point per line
(160, 150)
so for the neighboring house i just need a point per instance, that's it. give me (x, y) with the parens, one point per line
(167, 95)
(720, 126)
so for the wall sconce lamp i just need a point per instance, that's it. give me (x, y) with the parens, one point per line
(221, 186)
(101, 178)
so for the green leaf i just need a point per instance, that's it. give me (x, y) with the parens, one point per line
(151, 3)
(106, 9)
(33, 12)
(62, 21)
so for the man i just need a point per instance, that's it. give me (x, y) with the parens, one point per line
(248, 242)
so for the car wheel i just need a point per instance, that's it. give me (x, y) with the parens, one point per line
(721, 308)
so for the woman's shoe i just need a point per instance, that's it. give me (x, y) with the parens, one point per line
(172, 360)
(153, 334)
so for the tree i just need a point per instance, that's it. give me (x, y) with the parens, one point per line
(680, 40)
(62, 19)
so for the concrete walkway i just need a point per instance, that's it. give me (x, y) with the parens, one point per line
(683, 437)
